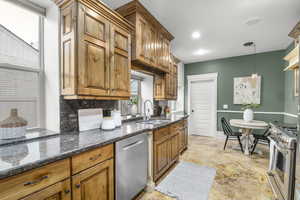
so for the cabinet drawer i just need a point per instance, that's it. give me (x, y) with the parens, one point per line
(161, 134)
(90, 158)
(24, 184)
(177, 127)
(58, 191)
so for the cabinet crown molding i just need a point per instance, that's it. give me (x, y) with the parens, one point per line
(103, 9)
(136, 6)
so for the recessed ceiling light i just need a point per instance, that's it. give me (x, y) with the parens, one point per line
(201, 52)
(196, 35)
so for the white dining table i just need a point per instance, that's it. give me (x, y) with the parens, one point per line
(247, 129)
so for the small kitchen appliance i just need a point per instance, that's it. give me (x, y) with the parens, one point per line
(108, 124)
(116, 115)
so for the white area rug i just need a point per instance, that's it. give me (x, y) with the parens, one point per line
(188, 181)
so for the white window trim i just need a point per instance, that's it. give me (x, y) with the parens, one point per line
(41, 99)
(29, 6)
(204, 77)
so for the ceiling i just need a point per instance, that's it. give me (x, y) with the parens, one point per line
(222, 25)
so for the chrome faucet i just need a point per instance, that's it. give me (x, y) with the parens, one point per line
(147, 115)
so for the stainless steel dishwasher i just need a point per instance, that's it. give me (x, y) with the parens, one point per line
(131, 166)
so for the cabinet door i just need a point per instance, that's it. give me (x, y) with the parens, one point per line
(166, 54)
(67, 54)
(174, 147)
(175, 82)
(58, 191)
(161, 157)
(96, 183)
(159, 50)
(182, 139)
(93, 53)
(152, 45)
(120, 62)
(168, 80)
(142, 40)
(159, 87)
(186, 137)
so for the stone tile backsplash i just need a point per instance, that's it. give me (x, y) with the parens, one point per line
(69, 111)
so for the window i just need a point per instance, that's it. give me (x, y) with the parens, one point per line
(21, 68)
(133, 106)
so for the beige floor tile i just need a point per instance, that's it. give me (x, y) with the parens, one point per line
(238, 177)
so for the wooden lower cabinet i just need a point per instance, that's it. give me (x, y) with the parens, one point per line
(92, 180)
(96, 183)
(168, 143)
(27, 183)
(174, 147)
(183, 138)
(161, 157)
(58, 191)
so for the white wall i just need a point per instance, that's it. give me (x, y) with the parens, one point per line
(178, 105)
(180, 98)
(52, 68)
(146, 89)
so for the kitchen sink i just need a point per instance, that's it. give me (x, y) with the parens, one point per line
(153, 121)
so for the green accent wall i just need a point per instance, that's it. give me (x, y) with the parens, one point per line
(290, 101)
(269, 66)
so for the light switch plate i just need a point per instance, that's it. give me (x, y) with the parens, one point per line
(225, 106)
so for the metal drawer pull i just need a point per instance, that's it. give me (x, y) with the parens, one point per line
(36, 181)
(95, 157)
(67, 191)
(133, 145)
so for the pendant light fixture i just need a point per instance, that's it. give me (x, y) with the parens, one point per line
(252, 44)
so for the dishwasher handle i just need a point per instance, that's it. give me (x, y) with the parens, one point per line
(133, 145)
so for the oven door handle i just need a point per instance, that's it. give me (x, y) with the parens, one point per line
(282, 149)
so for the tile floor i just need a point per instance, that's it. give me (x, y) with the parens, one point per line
(239, 177)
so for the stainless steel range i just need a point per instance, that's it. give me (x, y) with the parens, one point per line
(281, 173)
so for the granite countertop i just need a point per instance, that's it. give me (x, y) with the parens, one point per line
(30, 135)
(19, 157)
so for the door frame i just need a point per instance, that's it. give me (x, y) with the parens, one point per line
(204, 77)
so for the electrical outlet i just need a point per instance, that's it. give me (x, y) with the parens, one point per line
(225, 106)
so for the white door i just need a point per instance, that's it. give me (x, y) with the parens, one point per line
(202, 105)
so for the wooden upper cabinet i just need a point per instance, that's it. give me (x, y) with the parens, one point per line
(166, 85)
(95, 51)
(151, 41)
(159, 87)
(120, 62)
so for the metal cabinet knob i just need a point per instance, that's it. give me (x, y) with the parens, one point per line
(77, 185)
